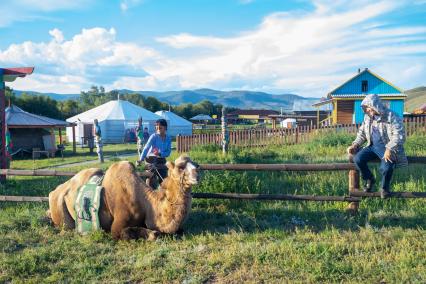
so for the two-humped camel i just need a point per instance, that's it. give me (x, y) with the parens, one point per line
(129, 208)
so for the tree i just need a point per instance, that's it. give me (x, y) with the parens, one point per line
(9, 96)
(69, 108)
(41, 105)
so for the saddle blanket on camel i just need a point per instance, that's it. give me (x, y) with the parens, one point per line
(87, 206)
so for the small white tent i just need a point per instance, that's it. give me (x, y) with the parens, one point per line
(115, 118)
(176, 125)
(289, 123)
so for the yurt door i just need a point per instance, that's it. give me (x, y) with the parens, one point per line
(87, 132)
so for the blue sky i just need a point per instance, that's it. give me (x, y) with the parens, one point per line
(302, 47)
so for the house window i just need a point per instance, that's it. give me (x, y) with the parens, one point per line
(364, 86)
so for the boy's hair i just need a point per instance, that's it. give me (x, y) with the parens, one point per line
(162, 122)
(146, 128)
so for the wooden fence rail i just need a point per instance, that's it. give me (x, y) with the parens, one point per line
(354, 197)
(259, 137)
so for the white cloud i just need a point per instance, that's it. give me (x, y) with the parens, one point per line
(92, 57)
(57, 35)
(127, 4)
(309, 53)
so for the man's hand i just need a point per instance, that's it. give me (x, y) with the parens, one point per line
(352, 150)
(388, 156)
(155, 151)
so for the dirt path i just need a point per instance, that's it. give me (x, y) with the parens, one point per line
(107, 158)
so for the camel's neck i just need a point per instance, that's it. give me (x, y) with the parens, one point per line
(169, 205)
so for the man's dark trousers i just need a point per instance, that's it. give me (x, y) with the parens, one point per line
(386, 168)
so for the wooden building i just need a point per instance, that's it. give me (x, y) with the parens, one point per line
(251, 115)
(346, 99)
(29, 131)
(7, 75)
(302, 117)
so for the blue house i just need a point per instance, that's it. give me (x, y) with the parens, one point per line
(346, 99)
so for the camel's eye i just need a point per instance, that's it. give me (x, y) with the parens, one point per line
(181, 166)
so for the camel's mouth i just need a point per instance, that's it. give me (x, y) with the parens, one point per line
(193, 172)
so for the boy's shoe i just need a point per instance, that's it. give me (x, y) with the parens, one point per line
(384, 193)
(368, 185)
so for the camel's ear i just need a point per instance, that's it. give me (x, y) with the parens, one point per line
(170, 165)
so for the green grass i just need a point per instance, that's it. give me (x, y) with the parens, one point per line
(82, 155)
(236, 241)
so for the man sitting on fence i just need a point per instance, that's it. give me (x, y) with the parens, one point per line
(384, 133)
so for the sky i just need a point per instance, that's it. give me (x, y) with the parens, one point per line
(300, 47)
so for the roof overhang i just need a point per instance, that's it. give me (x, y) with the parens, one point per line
(358, 96)
(10, 74)
(294, 116)
(322, 103)
(36, 126)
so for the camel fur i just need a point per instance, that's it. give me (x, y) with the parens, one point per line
(129, 208)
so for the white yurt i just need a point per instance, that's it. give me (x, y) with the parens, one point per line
(176, 125)
(116, 118)
(288, 123)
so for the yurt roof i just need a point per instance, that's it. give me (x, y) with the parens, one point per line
(115, 110)
(201, 117)
(18, 118)
(173, 118)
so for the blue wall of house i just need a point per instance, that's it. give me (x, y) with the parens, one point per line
(358, 112)
(397, 106)
(375, 85)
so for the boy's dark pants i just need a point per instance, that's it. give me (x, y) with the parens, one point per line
(386, 169)
(156, 166)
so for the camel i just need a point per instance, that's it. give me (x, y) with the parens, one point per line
(129, 208)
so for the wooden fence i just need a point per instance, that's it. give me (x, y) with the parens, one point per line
(282, 136)
(354, 194)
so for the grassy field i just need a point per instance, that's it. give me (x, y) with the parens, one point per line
(82, 155)
(236, 241)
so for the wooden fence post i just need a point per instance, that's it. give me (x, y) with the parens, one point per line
(353, 186)
(178, 143)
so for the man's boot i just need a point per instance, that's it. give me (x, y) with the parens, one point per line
(384, 193)
(368, 185)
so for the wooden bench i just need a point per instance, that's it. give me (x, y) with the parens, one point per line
(37, 153)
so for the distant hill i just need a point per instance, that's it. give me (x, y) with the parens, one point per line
(239, 99)
(415, 98)
(58, 97)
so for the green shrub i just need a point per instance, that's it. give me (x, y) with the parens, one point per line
(332, 139)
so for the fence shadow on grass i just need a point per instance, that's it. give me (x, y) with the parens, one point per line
(289, 219)
(30, 186)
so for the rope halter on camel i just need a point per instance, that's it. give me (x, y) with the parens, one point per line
(181, 188)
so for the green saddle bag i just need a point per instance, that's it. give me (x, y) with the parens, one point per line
(87, 206)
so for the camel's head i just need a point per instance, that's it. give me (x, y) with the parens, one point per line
(186, 168)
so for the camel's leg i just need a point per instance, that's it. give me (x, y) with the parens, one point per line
(134, 233)
(59, 212)
(120, 222)
(69, 222)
